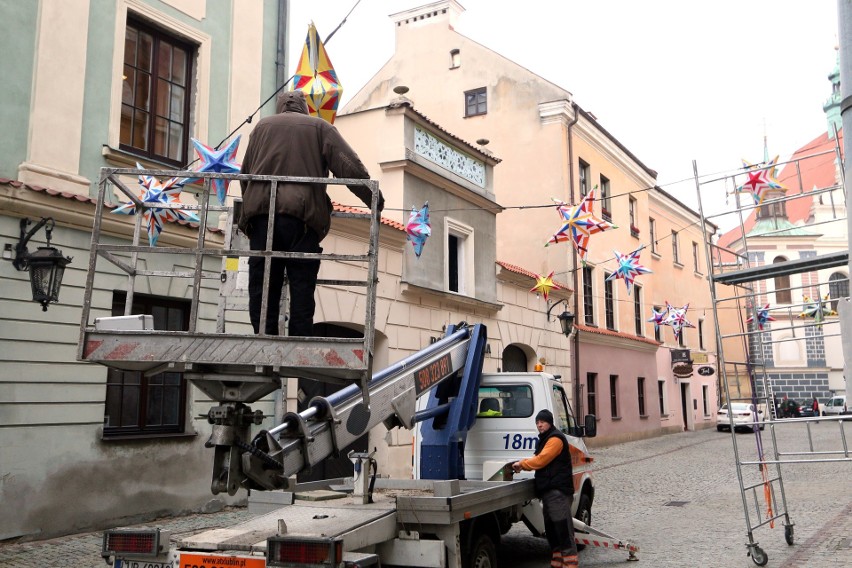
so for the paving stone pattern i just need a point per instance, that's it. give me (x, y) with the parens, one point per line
(676, 496)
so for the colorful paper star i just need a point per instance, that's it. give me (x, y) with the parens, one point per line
(628, 267)
(418, 229)
(817, 309)
(157, 192)
(544, 284)
(676, 318)
(760, 180)
(219, 162)
(658, 318)
(762, 317)
(316, 77)
(579, 223)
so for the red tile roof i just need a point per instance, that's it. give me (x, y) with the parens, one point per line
(86, 199)
(93, 201)
(349, 209)
(404, 102)
(601, 331)
(533, 275)
(49, 191)
(816, 162)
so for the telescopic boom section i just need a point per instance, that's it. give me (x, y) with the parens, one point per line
(452, 365)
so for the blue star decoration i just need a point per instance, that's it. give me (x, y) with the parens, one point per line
(763, 317)
(659, 317)
(628, 268)
(217, 161)
(418, 228)
(158, 192)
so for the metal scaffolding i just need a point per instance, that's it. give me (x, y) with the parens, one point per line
(768, 325)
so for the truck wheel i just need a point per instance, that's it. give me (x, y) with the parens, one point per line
(482, 553)
(584, 513)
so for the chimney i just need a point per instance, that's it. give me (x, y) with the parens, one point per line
(445, 12)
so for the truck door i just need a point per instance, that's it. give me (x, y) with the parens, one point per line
(562, 412)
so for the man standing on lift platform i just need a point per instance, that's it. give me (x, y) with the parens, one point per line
(292, 143)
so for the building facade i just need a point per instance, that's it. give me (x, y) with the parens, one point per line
(552, 149)
(806, 220)
(85, 447)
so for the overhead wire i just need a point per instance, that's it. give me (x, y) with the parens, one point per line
(250, 117)
(726, 174)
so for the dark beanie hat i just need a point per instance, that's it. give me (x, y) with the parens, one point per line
(545, 416)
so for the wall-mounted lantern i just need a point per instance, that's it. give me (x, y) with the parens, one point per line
(46, 265)
(566, 318)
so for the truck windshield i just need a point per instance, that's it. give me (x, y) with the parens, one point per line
(507, 401)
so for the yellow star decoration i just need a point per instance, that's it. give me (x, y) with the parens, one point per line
(544, 284)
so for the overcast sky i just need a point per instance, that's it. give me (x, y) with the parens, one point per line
(672, 80)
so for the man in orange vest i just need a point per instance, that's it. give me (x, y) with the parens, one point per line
(554, 486)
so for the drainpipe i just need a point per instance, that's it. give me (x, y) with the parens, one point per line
(281, 73)
(578, 407)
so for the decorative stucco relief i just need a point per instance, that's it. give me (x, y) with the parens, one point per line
(448, 157)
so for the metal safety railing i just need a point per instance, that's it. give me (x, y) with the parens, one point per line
(221, 348)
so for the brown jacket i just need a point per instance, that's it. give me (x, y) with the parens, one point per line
(292, 143)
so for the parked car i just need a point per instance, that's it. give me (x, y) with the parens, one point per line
(807, 410)
(743, 416)
(789, 409)
(834, 406)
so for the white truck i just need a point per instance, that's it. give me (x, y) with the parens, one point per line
(448, 517)
(460, 502)
(505, 432)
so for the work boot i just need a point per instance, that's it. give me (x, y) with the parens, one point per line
(569, 560)
(556, 560)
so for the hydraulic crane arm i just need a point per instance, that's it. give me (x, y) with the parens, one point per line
(330, 424)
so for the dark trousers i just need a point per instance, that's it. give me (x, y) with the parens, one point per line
(290, 234)
(558, 523)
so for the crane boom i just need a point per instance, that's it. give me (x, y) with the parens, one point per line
(330, 424)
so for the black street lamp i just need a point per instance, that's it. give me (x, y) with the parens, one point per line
(46, 265)
(566, 318)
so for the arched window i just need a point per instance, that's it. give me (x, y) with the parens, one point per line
(838, 288)
(514, 360)
(782, 285)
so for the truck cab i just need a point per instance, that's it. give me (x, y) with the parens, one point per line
(505, 432)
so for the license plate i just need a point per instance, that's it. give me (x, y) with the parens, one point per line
(120, 563)
(200, 560)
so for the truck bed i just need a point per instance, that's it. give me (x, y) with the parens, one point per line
(423, 504)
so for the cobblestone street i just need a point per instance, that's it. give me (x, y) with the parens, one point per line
(675, 496)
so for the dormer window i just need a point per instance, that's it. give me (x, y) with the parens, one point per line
(455, 59)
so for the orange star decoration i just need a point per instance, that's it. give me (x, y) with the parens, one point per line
(544, 284)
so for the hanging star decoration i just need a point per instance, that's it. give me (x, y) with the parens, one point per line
(315, 76)
(579, 223)
(158, 192)
(762, 317)
(676, 319)
(219, 162)
(659, 317)
(544, 284)
(628, 267)
(418, 229)
(817, 309)
(760, 179)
